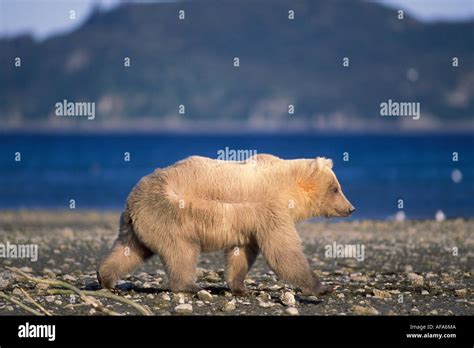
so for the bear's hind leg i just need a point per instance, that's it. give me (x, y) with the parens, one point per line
(128, 252)
(180, 262)
(238, 263)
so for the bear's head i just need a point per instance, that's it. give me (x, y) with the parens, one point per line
(329, 200)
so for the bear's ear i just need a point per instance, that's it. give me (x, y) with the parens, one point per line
(320, 163)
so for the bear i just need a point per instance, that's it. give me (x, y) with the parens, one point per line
(243, 208)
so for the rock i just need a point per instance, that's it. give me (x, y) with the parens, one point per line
(264, 297)
(249, 281)
(17, 292)
(200, 272)
(10, 308)
(425, 292)
(381, 294)
(415, 279)
(229, 306)
(4, 283)
(292, 311)
(165, 297)
(357, 277)
(70, 278)
(288, 299)
(184, 308)
(228, 294)
(179, 298)
(447, 278)
(204, 295)
(265, 304)
(92, 311)
(408, 269)
(364, 310)
(5, 278)
(50, 298)
(340, 295)
(433, 312)
(151, 285)
(42, 286)
(213, 277)
(461, 292)
(58, 302)
(440, 216)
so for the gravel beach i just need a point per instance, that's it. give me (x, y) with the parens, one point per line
(396, 268)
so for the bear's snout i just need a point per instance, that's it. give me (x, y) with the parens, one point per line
(351, 210)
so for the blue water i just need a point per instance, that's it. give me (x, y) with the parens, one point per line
(381, 169)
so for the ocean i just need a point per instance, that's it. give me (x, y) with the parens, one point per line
(379, 170)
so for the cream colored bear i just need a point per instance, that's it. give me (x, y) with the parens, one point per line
(201, 205)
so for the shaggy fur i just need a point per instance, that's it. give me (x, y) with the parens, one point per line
(201, 205)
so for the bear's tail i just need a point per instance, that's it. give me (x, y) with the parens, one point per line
(128, 252)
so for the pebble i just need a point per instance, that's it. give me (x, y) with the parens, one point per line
(204, 295)
(4, 281)
(425, 292)
(150, 285)
(292, 311)
(448, 279)
(17, 292)
(179, 298)
(185, 308)
(213, 277)
(461, 292)
(433, 312)
(42, 286)
(264, 297)
(357, 277)
(165, 297)
(340, 296)
(381, 294)
(364, 310)
(266, 304)
(70, 278)
(415, 279)
(288, 299)
(229, 306)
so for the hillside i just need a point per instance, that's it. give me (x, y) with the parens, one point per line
(282, 62)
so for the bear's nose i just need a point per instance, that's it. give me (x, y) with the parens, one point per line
(352, 209)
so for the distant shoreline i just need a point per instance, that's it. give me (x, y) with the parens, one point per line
(230, 127)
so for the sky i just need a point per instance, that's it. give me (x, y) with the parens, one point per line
(44, 18)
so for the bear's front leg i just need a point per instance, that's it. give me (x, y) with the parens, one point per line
(238, 263)
(283, 252)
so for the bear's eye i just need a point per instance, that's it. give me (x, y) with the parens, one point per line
(335, 190)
